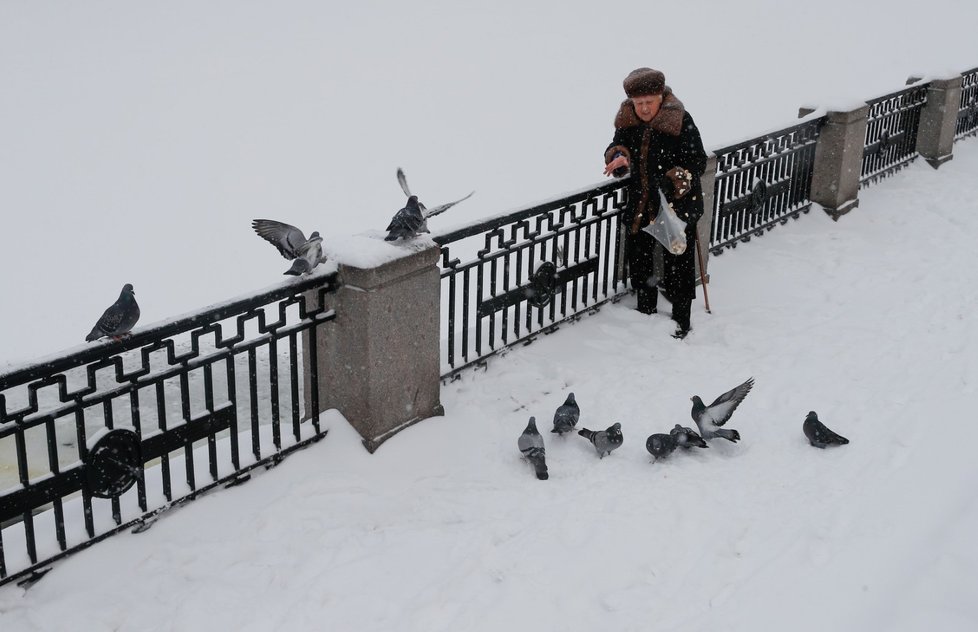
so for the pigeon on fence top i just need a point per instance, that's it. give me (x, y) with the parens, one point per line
(413, 218)
(531, 445)
(604, 441)
(818, 434)
(660, 445)
(566, 416)
(119, 319)
(709, 419)
(687, 438)
(305, 254)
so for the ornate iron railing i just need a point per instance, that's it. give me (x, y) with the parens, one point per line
(109, 436)
(967, 124)
(762, 182)
(510, 278)
(891, 133)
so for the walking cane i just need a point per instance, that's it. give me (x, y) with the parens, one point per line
(699, 255)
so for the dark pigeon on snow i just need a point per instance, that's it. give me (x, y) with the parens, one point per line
(709, 419)
(119, 319)
(818, 434)
(660, 445)
(407, 222)
(604, 441)
(412, 220)
(531, 445)
(567, 415)
(687, 438)
(305, 254)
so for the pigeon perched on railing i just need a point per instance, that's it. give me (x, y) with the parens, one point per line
(604, 441)
(818, 434)
(567, 415)
(305, 254)
(687, 438)
(119, 319)
(412, 220)
(531, 445)
(661, 445)
(709, 419)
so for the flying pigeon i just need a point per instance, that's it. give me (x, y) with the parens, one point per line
(118, 320)
(413, 218)
(660, 445)
(531, 445)
(305, 254)
(567, 415)
(687, 438)
(818, 435)
(604, 441)
(709, 418)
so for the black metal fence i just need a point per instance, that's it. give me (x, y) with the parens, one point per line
(967, 124)
(762, 182)
(511, 278)
(891, 133)
(107, 437)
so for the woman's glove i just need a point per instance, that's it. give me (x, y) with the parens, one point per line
(682, 181)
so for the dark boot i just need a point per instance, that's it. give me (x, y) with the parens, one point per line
(647, 299)
(680, 314)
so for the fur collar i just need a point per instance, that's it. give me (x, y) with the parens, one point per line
(669, 120)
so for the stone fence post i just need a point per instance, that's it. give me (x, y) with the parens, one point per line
(838, 160)
(938, 118)
(379, 360)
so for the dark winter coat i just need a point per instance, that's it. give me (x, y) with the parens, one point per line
(670, 140)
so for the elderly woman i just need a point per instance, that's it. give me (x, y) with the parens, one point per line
(657, 141)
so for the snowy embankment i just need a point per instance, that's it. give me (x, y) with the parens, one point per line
(868, 321)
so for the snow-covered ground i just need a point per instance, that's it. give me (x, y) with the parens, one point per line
(138, 138)
(868, 321)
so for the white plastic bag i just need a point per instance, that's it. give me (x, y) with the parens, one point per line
(668, 229)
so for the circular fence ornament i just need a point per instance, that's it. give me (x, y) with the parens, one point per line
(758, 197)
(884, 141)
(114, 464)
(543, 285)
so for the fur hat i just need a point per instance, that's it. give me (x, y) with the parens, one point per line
(643, 81)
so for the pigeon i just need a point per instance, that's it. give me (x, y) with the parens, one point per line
(531, 445)
(818, 435)
(660, 445)
(709, 418)
(687, 438)
(305, 254)
(407, 222)
(412, 220)
(567, 415)
(604, 441)
(118, 320)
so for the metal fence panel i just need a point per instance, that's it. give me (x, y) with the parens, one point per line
(511, 278)
(891, 133)
(107, 437)
(967, 124)
(762, 182)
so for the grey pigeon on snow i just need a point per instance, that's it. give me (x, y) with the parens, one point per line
(660, 445)
(818, 434)
(412, 220)
(567, 415)
(119, 319)
(687, 438)
(531, 445)
(709, 419)
(305, 254)
(604, 441)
